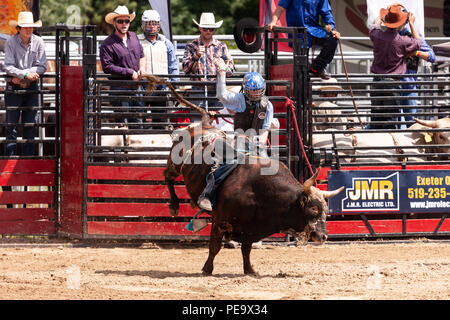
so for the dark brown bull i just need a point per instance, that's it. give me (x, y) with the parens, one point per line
(250, 206)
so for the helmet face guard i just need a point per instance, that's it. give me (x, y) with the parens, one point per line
(149, 30)
(150, 18)
(253, 86)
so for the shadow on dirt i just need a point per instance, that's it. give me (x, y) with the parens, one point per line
(168, 274)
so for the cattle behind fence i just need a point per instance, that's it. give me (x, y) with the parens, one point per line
(389, 134)
(384, 141)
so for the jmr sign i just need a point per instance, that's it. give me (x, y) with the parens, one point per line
(390, 191)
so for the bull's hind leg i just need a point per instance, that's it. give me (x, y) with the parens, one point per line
(215, 244)
(170, 175)
(246, 248)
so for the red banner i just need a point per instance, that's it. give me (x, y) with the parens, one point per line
(266, 10)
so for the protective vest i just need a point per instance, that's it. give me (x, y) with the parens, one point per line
(156, 61)
(253, 116)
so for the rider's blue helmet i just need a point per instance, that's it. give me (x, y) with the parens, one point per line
(254, 86)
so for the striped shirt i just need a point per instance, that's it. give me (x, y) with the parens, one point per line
(20, 60)
(217, 49)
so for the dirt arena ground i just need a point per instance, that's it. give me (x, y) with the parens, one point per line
(418, 269)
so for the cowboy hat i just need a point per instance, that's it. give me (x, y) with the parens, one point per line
(394, 16)
(119, 11)
(25, 19)
(328, 84)
(207, 20)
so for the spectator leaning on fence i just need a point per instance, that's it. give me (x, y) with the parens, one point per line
(200, 54)
(390, 50)
(122, 55)
(159, 54)
(412, 65)
(309, 14)
(160, 57)
(25, 62)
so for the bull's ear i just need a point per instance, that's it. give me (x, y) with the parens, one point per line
(427, 136)
(310, 182)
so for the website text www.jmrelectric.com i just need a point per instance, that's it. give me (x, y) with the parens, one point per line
(429, 204)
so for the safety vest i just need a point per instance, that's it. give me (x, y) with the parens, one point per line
(155, 55)
(253, 116)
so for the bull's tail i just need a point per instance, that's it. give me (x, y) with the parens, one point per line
(154, 80)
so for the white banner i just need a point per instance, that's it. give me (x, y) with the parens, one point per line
(162, 6)
(414, 6)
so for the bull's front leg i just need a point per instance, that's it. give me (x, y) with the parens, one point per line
(170, 174)
(215, 244)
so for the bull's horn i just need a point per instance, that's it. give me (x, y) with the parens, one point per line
(329, 194)
(310, 182)
(427, 123)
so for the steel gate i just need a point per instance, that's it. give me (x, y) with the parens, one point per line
(30, 184)
(124, 191)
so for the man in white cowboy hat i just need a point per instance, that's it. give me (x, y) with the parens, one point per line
(122, 55)
(200, 54)
(390, 50)
(25, 62)
(160, 57)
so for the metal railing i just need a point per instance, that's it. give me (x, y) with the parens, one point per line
(47, 118)
(112, 126)
(378, 134)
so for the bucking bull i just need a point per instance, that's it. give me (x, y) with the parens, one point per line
(249, 205)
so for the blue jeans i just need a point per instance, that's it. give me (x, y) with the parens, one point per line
(128, 103)
(410, 102)
(28, 116)
(215, 179)
(326, 55)
(379, 114)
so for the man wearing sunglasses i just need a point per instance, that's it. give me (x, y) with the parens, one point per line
(200, 54)
(122, 56)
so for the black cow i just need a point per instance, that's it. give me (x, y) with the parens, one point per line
(250, 206)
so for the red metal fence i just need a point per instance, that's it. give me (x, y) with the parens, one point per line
(29, 208)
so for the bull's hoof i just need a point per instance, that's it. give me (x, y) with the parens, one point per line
(207, 271)
(251, 272)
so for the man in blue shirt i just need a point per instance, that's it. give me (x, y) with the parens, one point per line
(159, 52)
(25, 63)
(159, 59)
(306, 13)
